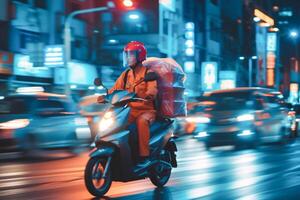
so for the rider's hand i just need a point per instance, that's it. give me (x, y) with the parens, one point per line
(101, 99)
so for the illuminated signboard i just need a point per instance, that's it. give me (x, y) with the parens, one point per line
(190, 39)
(6, 62)
(294, 87)
(189, 67)
(169, 4)
(78, 74)
(270, 77)
(271, 58)
(261, 50)
(82, 73)
(227, 84)
(270, 69)
(271, 41)
(227, 79)
(23, 67)
(268, 20)
(54, 56)
(209, 75)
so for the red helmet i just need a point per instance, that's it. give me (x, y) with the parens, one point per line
(134, 52)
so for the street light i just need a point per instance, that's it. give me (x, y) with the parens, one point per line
(67, 37)
(273, 29)
(256, 19)
(134, 16)
(250, 67)
(294, 71)
(294, 34)
(113, 41)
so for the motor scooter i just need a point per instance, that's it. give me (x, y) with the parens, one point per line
(115, 152)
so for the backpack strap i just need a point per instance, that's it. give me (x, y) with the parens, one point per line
(125, 78)
(146, 71)
(155, 102)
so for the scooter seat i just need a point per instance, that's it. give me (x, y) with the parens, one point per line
(154, 128)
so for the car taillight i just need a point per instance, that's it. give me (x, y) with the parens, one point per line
(6, 134)
(291, 113)
(89, 119)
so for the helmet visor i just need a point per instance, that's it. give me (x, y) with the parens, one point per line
(129, 58)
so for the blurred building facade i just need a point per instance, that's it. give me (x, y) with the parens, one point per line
(277, 66)
(287, 16)
(220, 44)
(6, 57)
(248, 43)
(219, 38)
(205, 15)
(157, 24)
(28, 29)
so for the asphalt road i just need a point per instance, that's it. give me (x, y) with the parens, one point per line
(270, 172)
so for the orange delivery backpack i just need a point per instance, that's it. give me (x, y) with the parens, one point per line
(170, 99)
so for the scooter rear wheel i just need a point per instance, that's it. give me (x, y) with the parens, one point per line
(160, 173)
(93, 177)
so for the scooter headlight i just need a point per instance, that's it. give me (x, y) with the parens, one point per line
(15, 124)
(106, 122)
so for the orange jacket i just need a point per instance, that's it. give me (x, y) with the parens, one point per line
(145, 90)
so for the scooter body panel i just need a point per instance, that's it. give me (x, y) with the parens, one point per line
(121, 143)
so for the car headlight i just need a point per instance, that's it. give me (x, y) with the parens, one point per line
(245, 117)
(246, 133)
(15, 124)
(106, 122)
(198, 119)
(201, 134)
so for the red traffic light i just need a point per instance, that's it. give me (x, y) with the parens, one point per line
(127, 3)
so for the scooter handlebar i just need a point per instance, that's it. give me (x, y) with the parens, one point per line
(139, 99)
(101, 99)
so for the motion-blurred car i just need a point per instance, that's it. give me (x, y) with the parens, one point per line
(242, 116)
(31, 122)
(296, 109)
(185, 126)
(293, 118)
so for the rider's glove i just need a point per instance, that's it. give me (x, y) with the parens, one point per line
(101, 99)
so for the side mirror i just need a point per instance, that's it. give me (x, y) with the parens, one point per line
(151, 76)
(98, 82)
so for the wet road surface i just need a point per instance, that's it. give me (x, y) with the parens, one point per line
(270, 172)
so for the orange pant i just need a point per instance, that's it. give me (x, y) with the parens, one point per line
(143, 119)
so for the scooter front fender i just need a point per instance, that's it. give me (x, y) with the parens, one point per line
(102, 152)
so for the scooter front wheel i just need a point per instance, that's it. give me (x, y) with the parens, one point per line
(95, 183)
